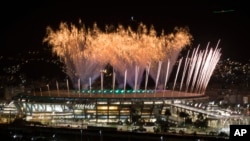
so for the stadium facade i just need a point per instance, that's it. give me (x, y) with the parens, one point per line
(73, 107)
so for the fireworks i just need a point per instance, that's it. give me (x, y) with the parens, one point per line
(198, 68)
(86, 51)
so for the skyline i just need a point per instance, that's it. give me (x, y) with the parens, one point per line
(208, 22)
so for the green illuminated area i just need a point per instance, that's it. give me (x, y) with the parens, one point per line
(117, 91)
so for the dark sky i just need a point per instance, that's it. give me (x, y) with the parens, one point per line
(23, 24)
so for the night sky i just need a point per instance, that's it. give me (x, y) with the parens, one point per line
(23, 24)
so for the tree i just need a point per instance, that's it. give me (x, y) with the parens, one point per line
(200, 116)
(201, 121)
(167, 114)
(183, 115)
(135, 116)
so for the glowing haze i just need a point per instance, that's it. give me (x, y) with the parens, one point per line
(86, 51)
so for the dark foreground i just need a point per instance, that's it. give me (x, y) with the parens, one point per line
(32, 133)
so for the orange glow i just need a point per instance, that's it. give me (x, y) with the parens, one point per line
(80, 47)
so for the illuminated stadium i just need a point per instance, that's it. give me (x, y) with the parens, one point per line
(136, 58)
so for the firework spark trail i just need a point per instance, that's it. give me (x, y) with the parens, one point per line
(214, 60)
(113, 82)
(204, 68)
(191, 67)
(177, 73)
(136, 78)
(125, 80)
(184, 70)
(200, 66)
(197, 69)
(147, 75)
(158, 74)
(167, 76)
(210, 59)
